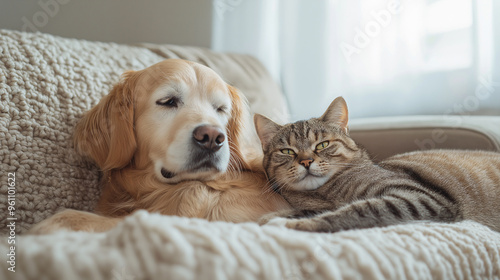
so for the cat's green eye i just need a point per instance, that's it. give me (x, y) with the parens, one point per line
(322, 145)
(287, 152)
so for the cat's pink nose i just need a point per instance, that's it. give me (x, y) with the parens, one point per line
(306, 162)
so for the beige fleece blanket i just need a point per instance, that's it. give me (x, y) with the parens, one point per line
(47, 82)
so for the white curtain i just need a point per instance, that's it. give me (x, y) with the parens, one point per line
(386, 57)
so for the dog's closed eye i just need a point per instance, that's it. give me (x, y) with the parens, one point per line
(171, 101)
(222, 109)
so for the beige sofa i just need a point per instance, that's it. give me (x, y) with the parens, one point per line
(47, 82)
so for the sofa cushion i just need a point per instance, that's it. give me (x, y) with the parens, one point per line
(48, 82)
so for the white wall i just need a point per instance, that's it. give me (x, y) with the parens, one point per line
(181, 22)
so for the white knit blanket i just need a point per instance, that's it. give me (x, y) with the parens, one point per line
(151, 246)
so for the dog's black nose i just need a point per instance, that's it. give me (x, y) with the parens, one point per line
(209, 137)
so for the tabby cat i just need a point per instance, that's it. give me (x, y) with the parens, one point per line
(333, 185)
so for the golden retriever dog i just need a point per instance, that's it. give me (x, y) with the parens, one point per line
(174, 139)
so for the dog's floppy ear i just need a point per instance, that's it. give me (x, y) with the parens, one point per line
(235, 128)
(106, 132)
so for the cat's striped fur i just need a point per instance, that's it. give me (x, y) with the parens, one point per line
(341, 188)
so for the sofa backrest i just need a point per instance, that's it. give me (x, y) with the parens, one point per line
(388, 136)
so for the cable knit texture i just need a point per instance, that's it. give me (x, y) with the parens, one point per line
(151, 246)
(47, 83)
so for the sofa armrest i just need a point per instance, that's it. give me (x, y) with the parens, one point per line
(387, 136)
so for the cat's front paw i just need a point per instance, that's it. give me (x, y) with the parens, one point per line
(311, 225)
(301, 224)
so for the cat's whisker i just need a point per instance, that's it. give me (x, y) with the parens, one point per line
(268, 188)
(285, 184)
(278, 185)
(343, 164)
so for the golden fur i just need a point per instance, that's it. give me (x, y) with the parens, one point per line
(133, 140)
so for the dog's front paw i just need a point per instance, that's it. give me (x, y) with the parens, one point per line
(268, 217)
(277, 222)
(73, 220)
(296, 224)
(50, 225)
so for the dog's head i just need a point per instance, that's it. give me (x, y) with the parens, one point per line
(178, 119)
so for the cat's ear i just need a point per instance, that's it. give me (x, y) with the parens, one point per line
(266, 128)
(337, 113)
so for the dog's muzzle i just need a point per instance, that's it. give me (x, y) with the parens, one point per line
(205, 152)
